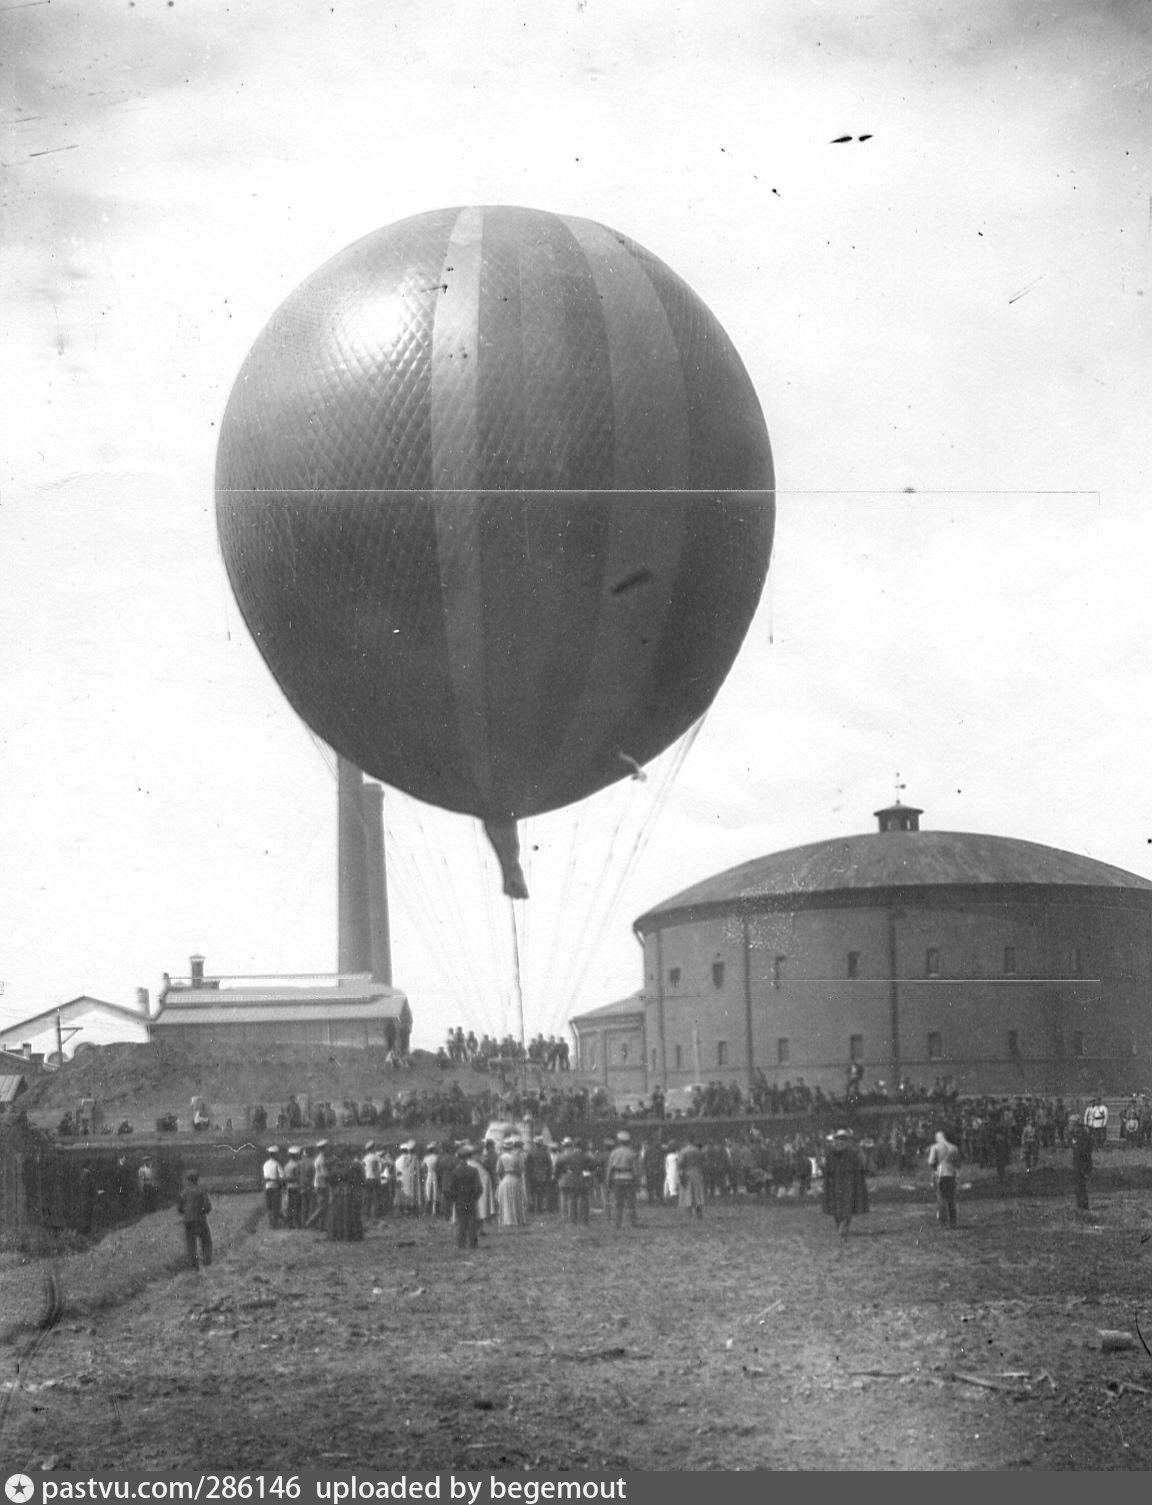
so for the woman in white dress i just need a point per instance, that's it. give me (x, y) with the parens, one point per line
(672, 1176)
(408, 1179)
(511, 1197)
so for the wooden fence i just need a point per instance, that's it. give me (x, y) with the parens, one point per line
(87, 1191)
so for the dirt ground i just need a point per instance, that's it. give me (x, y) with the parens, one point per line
(747, 1340)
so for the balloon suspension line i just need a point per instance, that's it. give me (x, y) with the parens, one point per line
(517, 980)
(586, 951)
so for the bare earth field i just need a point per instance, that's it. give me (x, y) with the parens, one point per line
(749, 1340)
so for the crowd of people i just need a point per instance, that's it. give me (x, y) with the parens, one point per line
(339, 1190)
(485, 1053)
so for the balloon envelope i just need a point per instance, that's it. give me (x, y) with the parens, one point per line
(494, 494)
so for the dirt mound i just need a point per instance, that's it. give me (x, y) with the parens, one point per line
(139, 1083)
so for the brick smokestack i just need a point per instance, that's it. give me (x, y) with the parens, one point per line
(353, 906)
(381, 942)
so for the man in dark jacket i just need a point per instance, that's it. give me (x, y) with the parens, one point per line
(622, 1175)
(193, 1208)
(465, 1188)
(538, 1175)
(845, 1189)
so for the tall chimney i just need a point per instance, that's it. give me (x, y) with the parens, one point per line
(377, 875)
(196, 966)
(354, 938)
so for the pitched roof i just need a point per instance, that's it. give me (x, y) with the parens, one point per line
(274, 1011)
(622, 1008)
(75, 1004)
(329, 1000)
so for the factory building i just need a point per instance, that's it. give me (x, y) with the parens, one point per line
(913, 955)
(211, 1015)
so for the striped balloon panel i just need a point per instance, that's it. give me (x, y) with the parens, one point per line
(395, 506)
(588, 641)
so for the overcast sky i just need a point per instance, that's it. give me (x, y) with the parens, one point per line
(947, 324)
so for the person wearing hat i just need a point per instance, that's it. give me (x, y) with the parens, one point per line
(273, 1175)
(192, 1208)
(292, 1198)
(467, 1189)
(321, 1187)
(307, 1184)
(845, 1189)
(146, 1185)
(430, 1169)
(623, 1174)
(408, 1179)
(511, 1198)
(486, 1206)
(538, 1175)
(690, 1174)
(372, 1173)
(574, 1175)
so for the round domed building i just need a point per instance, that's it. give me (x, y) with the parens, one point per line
(914, 955)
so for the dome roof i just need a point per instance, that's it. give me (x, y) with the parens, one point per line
(895, 860)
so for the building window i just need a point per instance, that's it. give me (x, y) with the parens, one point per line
(935, 1045)
(721, 1052)
(717, 974)
(778, 971)
(1009, 961)
(623, 1052)
(932, 961)
(853, 964)
(855, 1047)
(1013, 1042)
(590, 1055)
(674, 976)
(679, 1057)
(782, 1051)
(1077, 1042)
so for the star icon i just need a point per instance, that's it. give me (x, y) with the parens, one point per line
(19, 1487)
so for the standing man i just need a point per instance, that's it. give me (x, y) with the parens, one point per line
(538, 1175)
(273, 1174)
(193, 1208)
(690, 1178)
(467, 1189)
(1096, 1119)
(1081, 1161)
(321, 1187)
(943, 1163)
(146, 1182)
(372, 1173)
(307, 1185)
(623, 1173)
(1030, 1146)
(293, 1193)
(845, 1189)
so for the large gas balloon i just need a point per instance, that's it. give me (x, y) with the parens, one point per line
(494, 494)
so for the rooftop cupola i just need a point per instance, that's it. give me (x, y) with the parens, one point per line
(898, 817)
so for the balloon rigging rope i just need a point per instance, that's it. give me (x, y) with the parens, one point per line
(517, 981)
(647, 825)
(485, 870)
